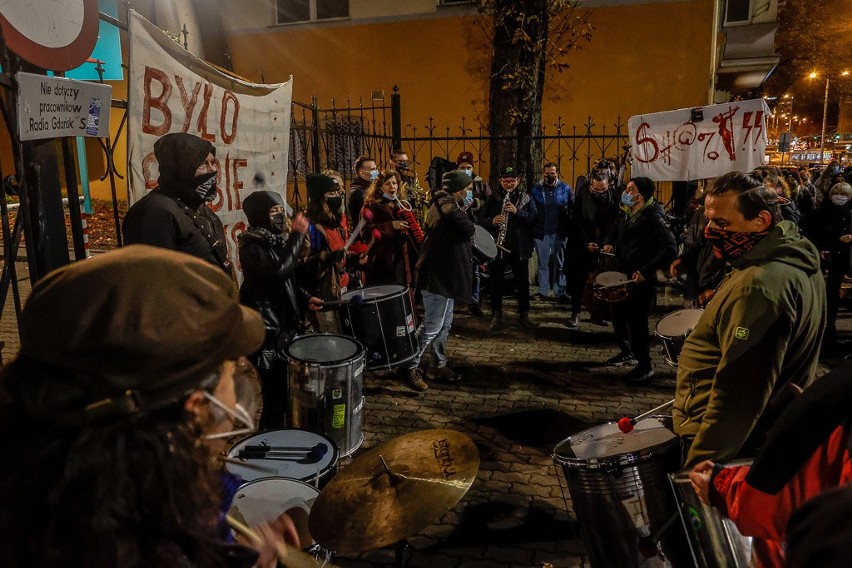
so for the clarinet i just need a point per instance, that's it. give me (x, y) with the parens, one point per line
(501, 235)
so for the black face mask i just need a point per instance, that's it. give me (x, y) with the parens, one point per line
(550, 180)
(278, 222)
(335, 204)
(205, 186)
(600, 197)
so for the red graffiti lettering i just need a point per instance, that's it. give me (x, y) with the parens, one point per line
(228, 137)
(158, 102)
(187, 102)
(202, 116)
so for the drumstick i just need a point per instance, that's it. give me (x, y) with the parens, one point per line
(626, 424)
(355, 232)
(249, 465)
(286, 554)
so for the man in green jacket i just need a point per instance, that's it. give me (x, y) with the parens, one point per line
(758, 341)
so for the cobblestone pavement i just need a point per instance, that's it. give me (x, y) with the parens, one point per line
(522, 393)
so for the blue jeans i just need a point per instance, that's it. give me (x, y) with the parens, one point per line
(551, 256)
(435, 328)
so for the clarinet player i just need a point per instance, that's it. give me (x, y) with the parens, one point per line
(506, 215)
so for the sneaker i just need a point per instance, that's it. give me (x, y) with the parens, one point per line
(538, 296)
(525, 321)
(476, 311)
(495, 322)
(445, 373)
(638, 374)
(621, 359)
(415, 379)
(563, 299)
(573, 321)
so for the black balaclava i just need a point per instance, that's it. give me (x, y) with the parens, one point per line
(256, 207)
(179, 154)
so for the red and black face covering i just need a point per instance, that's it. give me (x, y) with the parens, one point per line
(729, 245)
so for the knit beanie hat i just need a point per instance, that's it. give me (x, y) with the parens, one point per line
(455, 180)
(319, 185)
(645, 186)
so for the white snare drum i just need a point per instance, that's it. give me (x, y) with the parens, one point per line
(294, 454)
(673, 330)
(611, 286)
(264, 500)
(483, 244)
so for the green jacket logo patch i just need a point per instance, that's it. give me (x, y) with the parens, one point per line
(741, 333)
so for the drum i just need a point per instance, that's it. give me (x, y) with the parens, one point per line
(484, 246)
(264, 500)
(295, 454)
(383, 321)
(611, 286)
(674, 328)
(714, 541)
(326, 379)
(618, 487)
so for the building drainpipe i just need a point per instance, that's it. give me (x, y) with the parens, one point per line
(713, 49)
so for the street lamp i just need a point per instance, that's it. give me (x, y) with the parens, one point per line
(814, 75)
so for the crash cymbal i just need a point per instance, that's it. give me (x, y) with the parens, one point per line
(394, 490)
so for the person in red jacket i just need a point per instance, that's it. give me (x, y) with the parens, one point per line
(806, 453)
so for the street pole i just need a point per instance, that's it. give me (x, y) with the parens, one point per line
(824, 116)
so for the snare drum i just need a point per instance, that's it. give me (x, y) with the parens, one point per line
(484, 246)
(264, 500)
(326, 379)
(314, 469)
(714, 541)
(611, 286)
(383, 322)
(674, 328)
(618, 487)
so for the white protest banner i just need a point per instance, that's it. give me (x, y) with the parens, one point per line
(173, 91)
(51, 107)
(698, 143)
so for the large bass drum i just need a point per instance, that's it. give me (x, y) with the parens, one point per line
(382, 319)
(326, 378)
(618, 486)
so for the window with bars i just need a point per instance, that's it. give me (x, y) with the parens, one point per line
(294, 11)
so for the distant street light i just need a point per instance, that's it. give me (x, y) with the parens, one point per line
(814, 75)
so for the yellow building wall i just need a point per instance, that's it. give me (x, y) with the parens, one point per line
(643, 58)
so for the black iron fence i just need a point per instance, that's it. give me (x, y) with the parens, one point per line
(334, 137)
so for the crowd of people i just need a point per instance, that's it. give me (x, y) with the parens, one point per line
(141, 373)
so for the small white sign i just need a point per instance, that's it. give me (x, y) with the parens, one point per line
(51, 107)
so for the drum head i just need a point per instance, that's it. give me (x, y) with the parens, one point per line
(484, 243)
(301, 469)
(264, 500)
(375, 292)
(323, 348)
(679, 323)
(611, 278)
(607, 441)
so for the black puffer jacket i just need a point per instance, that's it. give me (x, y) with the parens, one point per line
(269, 262)
(445, 266)
(643, 242)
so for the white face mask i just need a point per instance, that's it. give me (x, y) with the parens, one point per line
(468, 171)
(840, 200)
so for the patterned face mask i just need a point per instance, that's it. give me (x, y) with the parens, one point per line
(728, 245)
(206, 186)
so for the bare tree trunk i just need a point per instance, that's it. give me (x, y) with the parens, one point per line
(516, 88)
